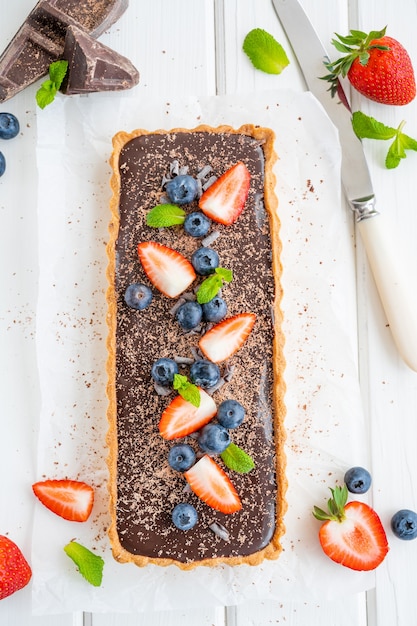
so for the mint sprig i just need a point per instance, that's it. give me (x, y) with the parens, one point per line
(367, 127)
(264, 51)
(237, 459)
(211, 286)
(187, 390)
(49, 88)
(165, 215)
(90, 565)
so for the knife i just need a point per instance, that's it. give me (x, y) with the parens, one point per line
(389, 270)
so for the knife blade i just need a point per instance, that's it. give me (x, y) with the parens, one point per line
(389, 268)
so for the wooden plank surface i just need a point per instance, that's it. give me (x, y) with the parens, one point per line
(186, 47)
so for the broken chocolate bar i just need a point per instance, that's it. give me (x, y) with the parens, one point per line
(92, 66)
(41, 39)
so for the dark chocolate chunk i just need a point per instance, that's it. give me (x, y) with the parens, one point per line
(92, 66)
(40, 40)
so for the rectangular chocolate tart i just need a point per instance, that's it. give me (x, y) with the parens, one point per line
(143, 487)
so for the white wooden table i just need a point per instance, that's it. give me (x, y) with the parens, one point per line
(186, 47)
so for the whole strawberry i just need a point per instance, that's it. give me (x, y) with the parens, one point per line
(352, 534)
(376, 65)
(15, 572)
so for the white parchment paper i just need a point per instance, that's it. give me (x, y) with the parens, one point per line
(325, 425)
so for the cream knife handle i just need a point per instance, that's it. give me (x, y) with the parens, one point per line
(395, 286)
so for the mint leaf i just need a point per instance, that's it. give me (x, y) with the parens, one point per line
(49, 88)
(264, 51)
(211, 286)
(89, 564)
(369, 128)
(237, 459)
(57, 72)
(187, 390)
(164, 215)
(46, 94)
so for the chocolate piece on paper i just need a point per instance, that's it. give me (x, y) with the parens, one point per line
(92, 66)
(40, 40)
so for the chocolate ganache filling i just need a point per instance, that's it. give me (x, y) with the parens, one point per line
(147, 488)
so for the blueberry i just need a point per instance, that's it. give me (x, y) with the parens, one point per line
(138, 296)
(357, 480)
(197, 224)
(214, 310)
(2, 164)
(182, 189)
(205, 261)
(230, 413)
(404, 524)
(163, 371)
(189, 315)
(213, 438)
(184, 516)
(205, 373)
(9, 126)
(181, 457)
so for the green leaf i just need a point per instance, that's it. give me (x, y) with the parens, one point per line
(264, 51)
(164, 215)
(211, 286)
(46, 94)
(336, 506)
(368, 127)
(237, 459)
(225, 274)
(57, 72)
(187, 390)
(89, 564)
(49, 88)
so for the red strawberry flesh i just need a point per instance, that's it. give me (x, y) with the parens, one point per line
(168, 270)
(352, 534)
(225, 199)
(212, 485)
(15, 572)
(227, 337)
(71, 499)
(182, 418)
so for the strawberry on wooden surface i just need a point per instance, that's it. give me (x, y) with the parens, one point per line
(212, 485)
(352, 534)
(71, 499)
(15, 572)
(169, 271)
(225, 199)
(376, 65)
(182, 418)
(227, 337)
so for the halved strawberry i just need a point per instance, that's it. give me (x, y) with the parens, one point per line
(212, 485)
(352, 533)
(166, 268)
(181, 418)
(71, 499)
(224, 200)
(227, 337)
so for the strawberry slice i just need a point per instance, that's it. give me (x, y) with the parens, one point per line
(71, 499)
(181, 418)
(166, 268)
(352, 533)
(227, 337)
(212, 485)
(224, 200)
